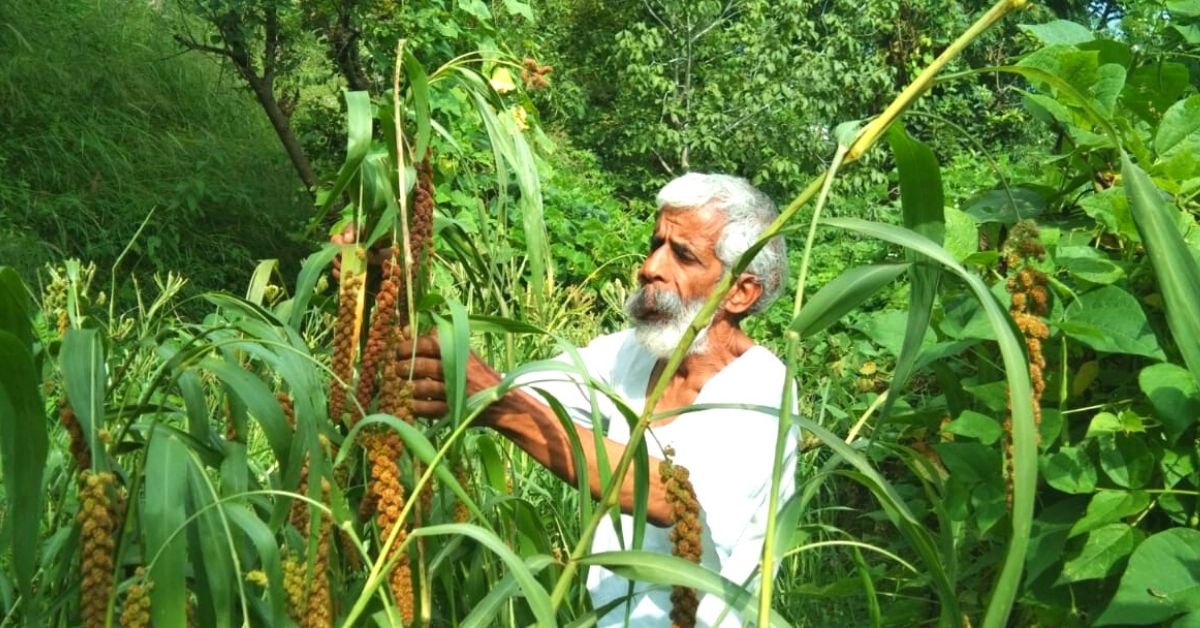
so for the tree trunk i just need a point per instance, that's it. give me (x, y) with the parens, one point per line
(283, 128)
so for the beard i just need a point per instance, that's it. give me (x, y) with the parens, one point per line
(661, 318)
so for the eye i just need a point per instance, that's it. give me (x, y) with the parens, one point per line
(683, 253)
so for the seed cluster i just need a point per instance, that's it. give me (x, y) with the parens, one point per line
(383, 317)
(136, 611)
(684, 536)
(534, 75)
(462, 474)
(1030, 303)
(319, 611)
(79, 445)
(293, 587)
(98, 524)
(422, 220)
(345, 334)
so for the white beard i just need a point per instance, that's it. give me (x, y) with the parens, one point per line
(660, 335)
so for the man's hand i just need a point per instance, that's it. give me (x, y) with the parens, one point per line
(423, 359)
(349, 235)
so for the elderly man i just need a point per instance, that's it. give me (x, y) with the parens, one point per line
(704, 223)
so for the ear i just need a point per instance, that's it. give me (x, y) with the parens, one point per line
(746, 291)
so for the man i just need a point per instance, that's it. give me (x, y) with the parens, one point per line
(704, 223)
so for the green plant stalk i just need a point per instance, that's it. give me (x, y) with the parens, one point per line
(793, 356)
(873, 131)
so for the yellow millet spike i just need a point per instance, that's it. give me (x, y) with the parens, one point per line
(97, 524)
(684, 536)
(293, 587)
(136, 611)
(320, 600)
(345, 340)
(380, 337)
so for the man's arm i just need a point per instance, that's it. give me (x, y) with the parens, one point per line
(530, 424)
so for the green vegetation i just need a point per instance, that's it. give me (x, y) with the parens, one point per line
(994, 326)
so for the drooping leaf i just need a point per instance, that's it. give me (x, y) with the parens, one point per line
(1180, 127)
(15, 308)
(1175, 268)
(842, 295)
(1088, 264)
(83, 369)
(1160, 583)
(163, 515)
(1105, 546)
(24, 444)
(981, 427)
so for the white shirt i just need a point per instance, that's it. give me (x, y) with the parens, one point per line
(729, 453)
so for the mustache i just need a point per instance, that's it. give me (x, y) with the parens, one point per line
(647, 304)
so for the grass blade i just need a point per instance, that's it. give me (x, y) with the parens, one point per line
(15, 307)
(23, 447)
(1024, 431)
(535, 595)
(657, 568)
(846, 292)
(484, 613)
(923, 206)
(1176, 270)
(162, 515)
(83, 371)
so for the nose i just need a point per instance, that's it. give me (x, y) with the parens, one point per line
(653, 268)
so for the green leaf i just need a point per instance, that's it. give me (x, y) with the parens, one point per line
(1160, 582)
(268, 552)
(1174, 394)
(1088, 264)
(1151, 89)
(535, 595)
(1111, 209)
(1126, 460)
(1104, 547)
(359, 122)
(485, 612)
(515, 7)
(1110, 319)
(922, 202)
(840, 296)
(1110, 507)
(15, 308)
(477, 8)
(972, 424)
(162, 521)
(418, 82)
(1006, 206)
(962, 234)
(1180, 127)
(24, 444)
(1024, 432)
(1070, 470)
(82, 360)
(657, 568)
(1059, 32)
(1177, 271)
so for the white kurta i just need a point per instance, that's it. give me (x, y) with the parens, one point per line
(728, 451)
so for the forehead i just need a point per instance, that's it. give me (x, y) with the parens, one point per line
(689, 223)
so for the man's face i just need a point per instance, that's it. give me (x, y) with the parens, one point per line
(678, 275)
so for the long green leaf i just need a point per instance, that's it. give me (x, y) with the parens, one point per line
(259, 400)
(15, 308)
(846, 292)
(657, 568)
(923, 205)
(1020, 392)
(358, 142)
(82, 360)
(268, 553)
(162, 515)
(211, 555)
(23, 448)
(535, 595)
(1176, 270)
(418, 82)
(485, 612)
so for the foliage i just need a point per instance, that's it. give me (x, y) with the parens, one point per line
(106, 128)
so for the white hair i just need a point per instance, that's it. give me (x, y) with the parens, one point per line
(747, 213)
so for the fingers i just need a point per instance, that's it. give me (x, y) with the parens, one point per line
(429, 390)
(430, 409)
(426, 346)
(420, 368)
